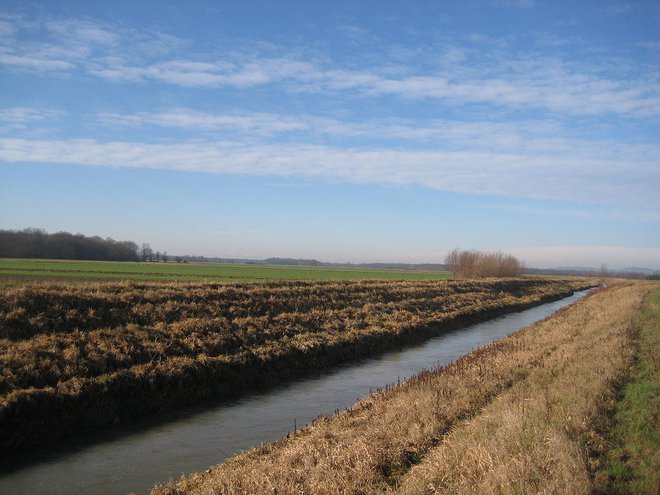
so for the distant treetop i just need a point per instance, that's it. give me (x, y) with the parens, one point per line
(37, 243)
(478, 264)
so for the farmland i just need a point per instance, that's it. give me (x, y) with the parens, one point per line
(522, 415)
(18, 271)
(80, 356)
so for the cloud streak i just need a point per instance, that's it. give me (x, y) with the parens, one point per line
(518, 4)
(617, 8)
(490, 173)
(521, 137)
(67, 45)
(555, 89)
(545, 157)
(20, 118)
(502, 78)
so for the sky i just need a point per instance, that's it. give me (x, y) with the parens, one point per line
(369, 131)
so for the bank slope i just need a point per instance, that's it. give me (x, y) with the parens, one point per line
(515, 416)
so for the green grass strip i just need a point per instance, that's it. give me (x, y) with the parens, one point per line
(14, 271)
(634, 462)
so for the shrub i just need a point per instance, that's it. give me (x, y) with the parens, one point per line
(478, 264)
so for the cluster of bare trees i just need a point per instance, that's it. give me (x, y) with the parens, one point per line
(478, 264)
(37, 243)
(148, 254)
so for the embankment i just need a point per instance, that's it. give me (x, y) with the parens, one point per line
(517, 416)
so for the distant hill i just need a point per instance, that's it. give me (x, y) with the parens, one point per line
(576, 268)
(629, 269)
(636, 269)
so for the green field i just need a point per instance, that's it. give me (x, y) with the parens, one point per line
(14, 271)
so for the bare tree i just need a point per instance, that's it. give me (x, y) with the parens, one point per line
(478, 264)
(451, 260)
(146, 253)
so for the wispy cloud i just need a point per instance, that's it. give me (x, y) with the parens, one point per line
(259, 123)
(618, 8)
(7, 29)
(496, 75)
(39, 64)
(18, 118)
(544, 38)
(83, 33)
(531, 137)
(538, 156)
(189, 73)
(519, 4)
(536, 85)
(49, 44)
(502, 174)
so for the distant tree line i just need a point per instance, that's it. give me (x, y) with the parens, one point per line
(37, 243)
(478, 264)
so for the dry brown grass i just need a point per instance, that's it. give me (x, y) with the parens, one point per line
(76, 357)
(535, 437)
(512, 417)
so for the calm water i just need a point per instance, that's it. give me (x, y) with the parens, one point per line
(137, 458)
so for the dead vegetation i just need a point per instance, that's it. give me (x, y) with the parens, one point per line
(517, 416)
(470, 263)
(74, 357)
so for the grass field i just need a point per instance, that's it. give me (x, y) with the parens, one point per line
(14, 271)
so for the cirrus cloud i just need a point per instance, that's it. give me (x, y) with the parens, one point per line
(632, 184)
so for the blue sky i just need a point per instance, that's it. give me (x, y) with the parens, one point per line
(357, 131)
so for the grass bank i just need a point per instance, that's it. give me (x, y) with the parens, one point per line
(76, 357)
(517, 416)
(631, 457)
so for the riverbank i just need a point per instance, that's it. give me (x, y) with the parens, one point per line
(628, 457)
(518, 414)
(76, 358)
